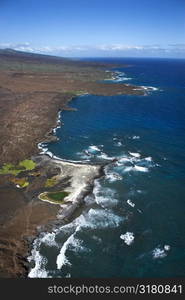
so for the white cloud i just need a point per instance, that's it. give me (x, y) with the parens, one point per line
(179, 46)
(115, 49)
(118, 47)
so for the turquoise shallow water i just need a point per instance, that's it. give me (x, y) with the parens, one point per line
(133, 223)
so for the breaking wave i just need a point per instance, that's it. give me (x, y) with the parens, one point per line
(128, 238)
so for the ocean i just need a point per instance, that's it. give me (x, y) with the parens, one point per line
(133, 223)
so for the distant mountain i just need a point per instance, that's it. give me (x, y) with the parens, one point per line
(21, 55)
(10, 55)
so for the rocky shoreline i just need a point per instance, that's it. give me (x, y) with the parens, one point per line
(32, 215)
(30, 102)
(75, 178)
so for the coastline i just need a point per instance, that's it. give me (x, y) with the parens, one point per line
(42, 215)
(31, 103)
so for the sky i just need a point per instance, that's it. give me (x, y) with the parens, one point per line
(87, 28)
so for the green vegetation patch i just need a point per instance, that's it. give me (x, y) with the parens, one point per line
(58, 195)
(51, 182)
(28, 164)
(54, 197)
(11, 169)
(24, 165)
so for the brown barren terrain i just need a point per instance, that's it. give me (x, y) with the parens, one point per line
(33, 88)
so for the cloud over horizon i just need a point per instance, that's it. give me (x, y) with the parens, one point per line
(103, 49)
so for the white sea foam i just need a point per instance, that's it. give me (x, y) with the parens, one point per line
(136, 137)
(159, 252)
(38, 271)
(94, 218)
(79, 222)
(49, 239)
(152, 88)
(93, 149)
(103, 218)
(44, 150)
(128, 238)
(106, 197)
(134, 162)
(105, 156)
(42, 147)
(61, 258)
(71, 241)
(167, 247)
(84, 155)
(149, 88)
(134, 169)
(135, 154)
(120, 76)
(56, 128)
(113, 176)
(148, 158)
(123, 160)
(49, 153)
(120, 79)
(126, 78)
(140, 169)
(128, 169)
(119, 144)
(130, 203)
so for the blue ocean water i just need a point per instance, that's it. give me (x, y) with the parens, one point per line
(133, 224)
